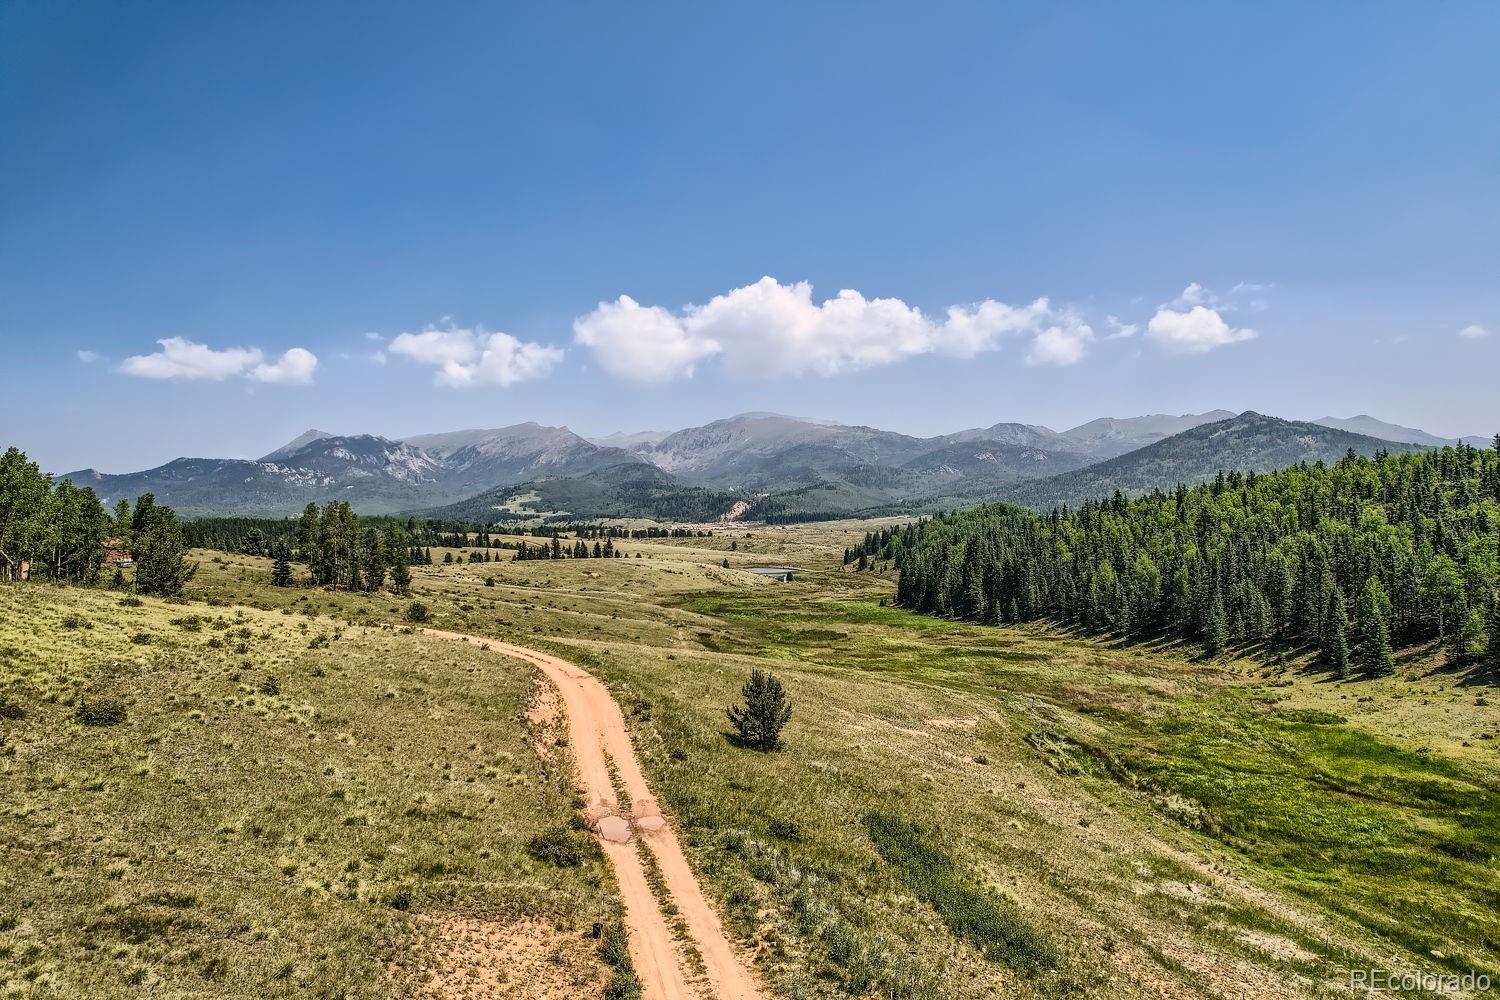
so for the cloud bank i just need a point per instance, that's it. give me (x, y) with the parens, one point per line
(472, 357)
(182, 359)
(1473, 332)
(769, 328)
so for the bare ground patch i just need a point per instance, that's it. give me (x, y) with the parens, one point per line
(470, 958)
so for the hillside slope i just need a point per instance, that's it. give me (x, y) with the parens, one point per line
(1250, 442)
(632, 489)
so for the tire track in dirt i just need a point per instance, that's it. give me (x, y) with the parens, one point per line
(598, 739)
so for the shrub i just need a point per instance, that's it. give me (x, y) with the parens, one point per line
(11, 710)
(766, 711)
(622, 985)
(141, 639)
(783, 829)
(100, 712)
(76, 621)
(614, 946)
(270, 686)
(400, 899)
(416, 611)
(131, 602)
(562, 847)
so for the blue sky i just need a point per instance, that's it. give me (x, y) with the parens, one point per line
(1284, 207)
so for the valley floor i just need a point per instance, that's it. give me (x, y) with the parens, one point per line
(308, 798)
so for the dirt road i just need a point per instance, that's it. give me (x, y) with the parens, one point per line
(599, 739)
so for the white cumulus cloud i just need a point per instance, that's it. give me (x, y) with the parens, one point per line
(180, 358)
(770, 328)
(465, 357)
(1060, 345)
(295, 367)
(1195, 330)
(1119, 329)
(1473, 332)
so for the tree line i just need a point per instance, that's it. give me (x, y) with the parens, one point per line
(260, 536)
(59, 531)
(1352, 560)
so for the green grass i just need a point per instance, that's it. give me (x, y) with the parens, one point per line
(1400, 841)
(987, 921)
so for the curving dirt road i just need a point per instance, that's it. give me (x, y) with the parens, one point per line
(599, 739)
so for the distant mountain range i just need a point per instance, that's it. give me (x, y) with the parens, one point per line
(375, 474)
(759, 464)
(1370, 427)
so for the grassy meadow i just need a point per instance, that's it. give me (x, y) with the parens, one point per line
(959, 811)
(214, 801)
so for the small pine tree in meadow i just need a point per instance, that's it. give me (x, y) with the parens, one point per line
(401, 577)
(281, 570)
(764, 714)
(726, 562)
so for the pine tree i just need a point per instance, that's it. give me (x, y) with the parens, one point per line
(1336, 648)
(1372, 620)
(373, 560)
(765, 713)
(1216, 628)
(281, 569)
(401, 578)
(161, 565)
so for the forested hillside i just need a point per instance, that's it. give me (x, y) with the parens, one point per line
(1349, 559)
(1247, 442)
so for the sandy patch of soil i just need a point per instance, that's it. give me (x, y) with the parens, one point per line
(468, 958)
